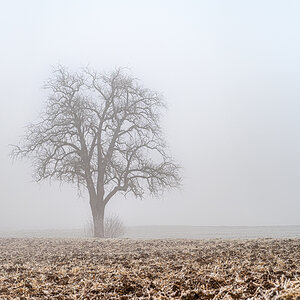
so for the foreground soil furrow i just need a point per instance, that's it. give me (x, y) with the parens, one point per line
(149, 269)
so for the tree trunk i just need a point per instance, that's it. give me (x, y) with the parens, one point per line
(98, 217)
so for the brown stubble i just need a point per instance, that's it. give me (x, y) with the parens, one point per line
(149, 269)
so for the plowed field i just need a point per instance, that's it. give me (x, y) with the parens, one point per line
(149, 269)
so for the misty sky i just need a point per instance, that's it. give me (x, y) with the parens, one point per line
(229, 72)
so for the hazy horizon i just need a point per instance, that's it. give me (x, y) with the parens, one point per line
(229, 74)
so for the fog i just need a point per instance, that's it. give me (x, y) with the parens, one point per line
(229, 72)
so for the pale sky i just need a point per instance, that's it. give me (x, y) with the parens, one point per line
(229, 72)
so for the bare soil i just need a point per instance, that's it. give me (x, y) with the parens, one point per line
(149, 269)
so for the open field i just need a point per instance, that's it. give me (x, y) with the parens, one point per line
(172, 232)
(145, 269)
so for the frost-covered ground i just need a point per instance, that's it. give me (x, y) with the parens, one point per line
(149, 269)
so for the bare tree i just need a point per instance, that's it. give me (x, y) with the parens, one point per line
(102, 132)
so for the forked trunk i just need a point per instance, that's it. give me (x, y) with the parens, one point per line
(98, 218)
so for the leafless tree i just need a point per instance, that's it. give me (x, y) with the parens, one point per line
(102, 132)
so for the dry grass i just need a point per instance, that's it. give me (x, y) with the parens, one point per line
(149, 269)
